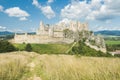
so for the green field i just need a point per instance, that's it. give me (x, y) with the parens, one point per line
(46, 48)
(112, 45)
(112, 42)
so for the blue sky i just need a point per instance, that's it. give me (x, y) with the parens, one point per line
(25, 15)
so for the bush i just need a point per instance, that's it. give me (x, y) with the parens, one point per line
(113, 47)
(28, 48)
(117, 55)
(85, 50)
(6, 46)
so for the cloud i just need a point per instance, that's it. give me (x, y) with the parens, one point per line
(109, 10)
(75, 10)
(2, 28)
(35, 2)
(1, 8)
(17, 12)
(46, 10)
(99, 28)
(23, 18)
(50, 1)
(65, 20)
(93, 10)
(33, 29)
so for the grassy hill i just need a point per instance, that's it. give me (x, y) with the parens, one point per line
(32, 66)
(46, 48)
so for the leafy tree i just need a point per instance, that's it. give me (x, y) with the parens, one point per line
(68, 33)
(28, 48)
(6, 46)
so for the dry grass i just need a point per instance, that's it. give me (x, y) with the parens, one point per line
(13, 65)
(66, 67)
(58, 67)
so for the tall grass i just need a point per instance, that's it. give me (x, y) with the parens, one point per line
(12, 66)
(66, 67)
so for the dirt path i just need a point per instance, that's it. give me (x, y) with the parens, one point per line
(31, 66)
(71, 47)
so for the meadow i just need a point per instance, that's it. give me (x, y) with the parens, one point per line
(23, 65)
(112, 42)
(46, 48)
(112, 45)
(12, 66)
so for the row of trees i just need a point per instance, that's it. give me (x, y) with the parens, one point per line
(112, 38)
(113, 47)
(6, 46)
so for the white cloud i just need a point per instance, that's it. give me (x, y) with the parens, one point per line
(2, 28)
(94, 10)
(109, 10)
(35, 2)
(1, 8)
(23, 18)
(46, 10)
(33, 29)
(75, 10)
(99, 28)
(65, 20)
(18, 31)
(17, 12)
(50, 1)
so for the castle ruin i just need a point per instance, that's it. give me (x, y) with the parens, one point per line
(51, 33)
(55, 34)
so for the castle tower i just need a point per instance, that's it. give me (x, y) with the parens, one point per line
(86, 26)
(72, 26)
(79, 26)
(41, 28)
(51, 32)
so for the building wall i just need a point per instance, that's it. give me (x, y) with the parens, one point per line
(39, 39)
(51, 33)
(58, 34)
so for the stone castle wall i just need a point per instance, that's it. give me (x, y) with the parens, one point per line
(53, 33)
(39, 39)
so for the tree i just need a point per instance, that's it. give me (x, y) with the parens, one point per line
(28, 48)
(6, 46)
(68, 33)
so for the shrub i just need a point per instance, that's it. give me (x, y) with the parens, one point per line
(28, 48)
(113, 47)
(117, 55)
(85, 50)
(6, 46)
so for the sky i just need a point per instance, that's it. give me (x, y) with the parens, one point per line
(25, 15)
